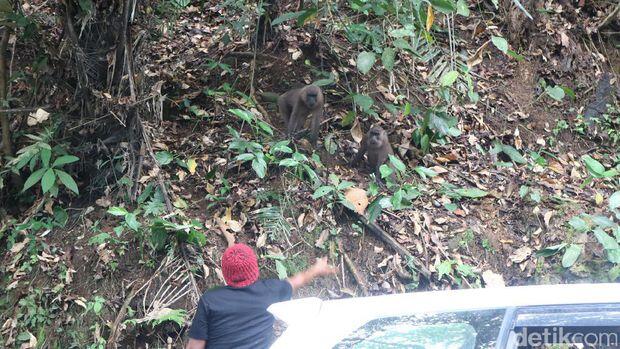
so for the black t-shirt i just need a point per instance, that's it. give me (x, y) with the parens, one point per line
(229, 317)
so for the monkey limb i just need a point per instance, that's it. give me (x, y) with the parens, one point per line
(296, 105)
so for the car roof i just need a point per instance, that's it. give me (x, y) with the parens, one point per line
(314, 323)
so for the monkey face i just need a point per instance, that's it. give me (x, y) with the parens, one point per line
(310, 96)
(310, 99)
(376, 137)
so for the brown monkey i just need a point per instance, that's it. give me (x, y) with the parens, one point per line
(295, 106)
(377, 148)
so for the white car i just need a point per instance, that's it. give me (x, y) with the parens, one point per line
(575, 315)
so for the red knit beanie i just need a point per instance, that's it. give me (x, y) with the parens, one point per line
(239, 266)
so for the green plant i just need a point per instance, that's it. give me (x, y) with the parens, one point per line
(249, 151)
(456, 193)
(530, 193)
(298, 163)
(597, 170)
(457, 270)
(160, 231)
(334, 191)
(46, 165)
(560, 126)
(556, 92)
(605, 230)
(609, 123)
(435, 126)
(487, 246)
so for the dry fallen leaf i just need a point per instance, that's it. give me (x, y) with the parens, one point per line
(520, 254)
(493, 280)
(358, 198)
(356, 132)
(320, 242)
(38, 117)
(191, 165)
(262, 239)
(477, 57)
(19, 246)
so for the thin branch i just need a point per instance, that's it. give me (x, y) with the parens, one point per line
(4, 118)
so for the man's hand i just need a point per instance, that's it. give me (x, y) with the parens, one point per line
(319, 268)
(196, 344)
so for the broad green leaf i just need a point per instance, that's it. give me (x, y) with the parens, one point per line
(613, 255)
(132, 221)
(555, 92)
(348, 119)
(324, 82)
(281, 269)
(579, 224)
(322, 191)
(288, 163)
(265, 127)
(34, 178)
(614, 200)
(306, 16)
(48, 180)
(602, 222)
(286, 17)
(365, 61)
(117, 211)
(46, 155)
(65, 159)
(397, 163)
(595, 168)
(473, 193)
(462, 8)
(425, 172)
(385, 171)
(68, 181)
(523, 191)
(402, 32)
(345, 184)
(444, 268)
(500, 43)
(260, 167)
(245, 157)
(604, 239)
(449, 78)
(571, 255)
(450, 206)
(551, 250)
(387, 58)
(515, 55)
(164, 157)
(445, 6)
(568, 91)
(243, 114)
(514, 154)
(614, 273)
(364, 102)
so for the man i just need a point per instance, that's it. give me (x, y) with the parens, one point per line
(236, 316)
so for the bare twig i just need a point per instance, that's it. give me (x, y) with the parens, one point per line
(353, 269)
(4, 118)
(385, 237)
(114, 332)
(609, 17)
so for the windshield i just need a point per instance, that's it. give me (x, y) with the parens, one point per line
(458, 330)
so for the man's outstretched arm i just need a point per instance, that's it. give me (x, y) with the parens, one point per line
(196, 344)
(303, 278)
